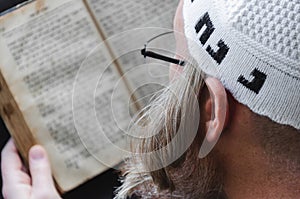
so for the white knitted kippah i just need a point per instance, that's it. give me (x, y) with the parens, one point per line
(254, 47)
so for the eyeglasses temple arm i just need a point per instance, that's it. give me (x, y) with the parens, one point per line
(162, 57)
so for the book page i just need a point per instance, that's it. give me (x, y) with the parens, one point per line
(116, 16)
(117, 19)
(44, 46)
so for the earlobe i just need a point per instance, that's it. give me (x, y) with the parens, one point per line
(219, 109)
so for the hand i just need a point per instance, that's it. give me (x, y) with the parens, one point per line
(18, 183)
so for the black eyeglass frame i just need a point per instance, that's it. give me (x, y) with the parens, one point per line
(146, 53)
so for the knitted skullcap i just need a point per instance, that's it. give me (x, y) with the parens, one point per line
(253, 48)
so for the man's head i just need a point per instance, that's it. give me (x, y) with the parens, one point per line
(246, 77)
(252, 47)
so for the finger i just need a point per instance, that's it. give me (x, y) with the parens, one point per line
(40, 170)
(10, 158)
(12, 174)
(11, 165)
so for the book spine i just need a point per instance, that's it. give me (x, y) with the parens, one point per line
(14, 121)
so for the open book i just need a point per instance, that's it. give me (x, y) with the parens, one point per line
(65, 84)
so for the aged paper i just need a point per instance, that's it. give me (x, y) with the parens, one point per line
(116, 16)
(117, 19)
(65, 80)
(43, 45)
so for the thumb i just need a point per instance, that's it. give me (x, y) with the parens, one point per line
(42, 181)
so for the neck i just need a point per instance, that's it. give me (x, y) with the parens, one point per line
(251, 175)
(250, 170)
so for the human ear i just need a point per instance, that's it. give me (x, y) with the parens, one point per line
(217, 106)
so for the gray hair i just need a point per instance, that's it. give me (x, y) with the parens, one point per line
(176, 107)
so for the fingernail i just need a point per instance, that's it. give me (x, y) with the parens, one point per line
(37, 153)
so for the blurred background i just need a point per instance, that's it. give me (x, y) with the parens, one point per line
(101, 187)
(147, 76)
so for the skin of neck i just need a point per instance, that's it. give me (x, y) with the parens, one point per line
(249, 171)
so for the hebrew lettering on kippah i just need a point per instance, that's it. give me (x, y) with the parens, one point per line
(221, 53)
(257, 83)
(205, 20)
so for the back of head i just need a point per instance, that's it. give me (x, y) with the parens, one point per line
(254, 47)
